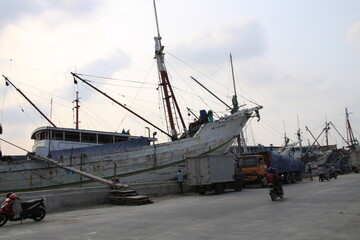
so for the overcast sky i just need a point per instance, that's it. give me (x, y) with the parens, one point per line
(299, 59)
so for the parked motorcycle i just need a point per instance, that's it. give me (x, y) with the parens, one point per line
(32, 209)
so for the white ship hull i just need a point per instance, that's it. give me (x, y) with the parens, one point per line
(149, 163)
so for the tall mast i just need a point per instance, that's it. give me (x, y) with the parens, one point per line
(327, 128)
(234, 98)
(350, 135)
(32, 104)
(299, 137)
(77, 106)
(169, 96)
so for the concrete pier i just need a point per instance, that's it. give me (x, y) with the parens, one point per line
(80, 197)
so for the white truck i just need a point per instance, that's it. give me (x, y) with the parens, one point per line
(355, 161)
(214, 173)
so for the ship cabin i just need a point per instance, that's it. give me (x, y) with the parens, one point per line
(47, 139)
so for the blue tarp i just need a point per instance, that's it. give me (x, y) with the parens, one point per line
(101, 148)
(286, 164)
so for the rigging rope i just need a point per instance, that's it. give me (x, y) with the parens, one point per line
(12, 144)
(247, 99)
(2, 105)
(141, 87)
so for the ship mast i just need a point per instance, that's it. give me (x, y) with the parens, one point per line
(298, 133)
(235, 103)
(350, 135)
(327, 128)
(77, 106)
(7, 81)
(169, 97)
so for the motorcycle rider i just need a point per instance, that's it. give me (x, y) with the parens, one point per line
(274, 178)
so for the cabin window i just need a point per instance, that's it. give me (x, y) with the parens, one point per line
(121, 138)
(58, 135)
(103, 139)
(72, 136)
(43, 135)
(89, 138)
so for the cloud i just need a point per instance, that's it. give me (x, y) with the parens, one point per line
(245, 39)
(353, 36)
(13, 11)
(107, 65)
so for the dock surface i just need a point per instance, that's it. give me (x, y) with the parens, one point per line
(310, 210)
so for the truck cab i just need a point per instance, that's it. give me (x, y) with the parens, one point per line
(254, 167)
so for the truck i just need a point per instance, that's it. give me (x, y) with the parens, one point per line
(355, 161)
(254, 166)
(214, 173)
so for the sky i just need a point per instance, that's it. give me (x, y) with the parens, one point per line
(298, 59)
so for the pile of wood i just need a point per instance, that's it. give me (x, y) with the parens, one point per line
(128, 197)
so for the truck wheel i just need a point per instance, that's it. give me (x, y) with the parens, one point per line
(299, 176)
(263, 181)
(238, 185)
(201, 192)
(219, 188)
(287, 178)
(293, 177)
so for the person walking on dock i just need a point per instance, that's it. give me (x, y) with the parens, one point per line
(180, 179)
(310, 172)
(321, 172)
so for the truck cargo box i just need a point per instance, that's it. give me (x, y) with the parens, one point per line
(355, 161)
(285, 164)
(210, 169)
